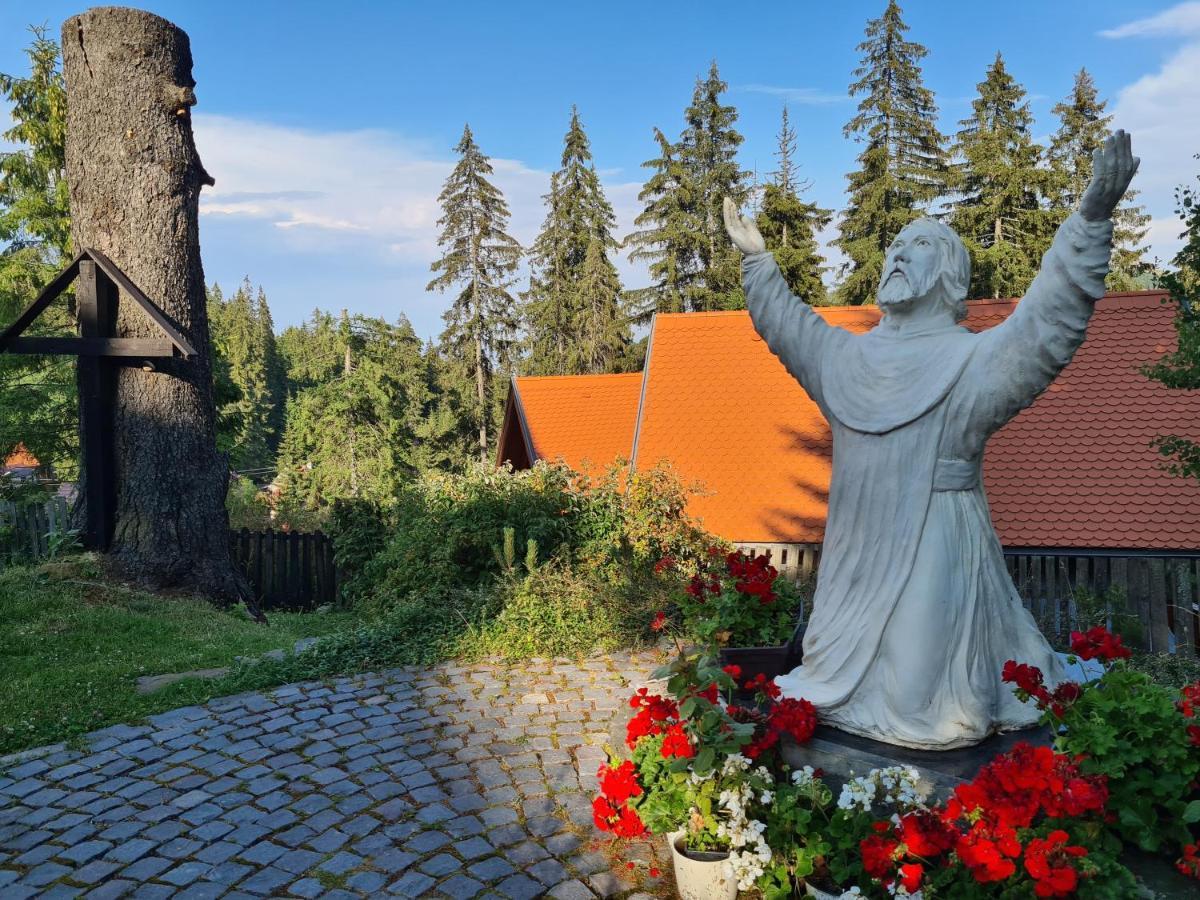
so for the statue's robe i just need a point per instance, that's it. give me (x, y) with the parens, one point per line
(915, 614)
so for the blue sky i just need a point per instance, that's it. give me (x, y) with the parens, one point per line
(329, 127)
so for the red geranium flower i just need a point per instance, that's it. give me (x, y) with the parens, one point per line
(1189, 700)
(734, 672)
(761, 684)
(910, 876)
(1027, 678)
(1189, 863)
(1098, 643)
(628, 824)
(1048, 861)
(676, 743)
(664, 565)
(926, 835)
(989, 851)
(659, 621)
(879, 855)
(654, 713)
(619, 783)
(797, 718)
(1193, 733)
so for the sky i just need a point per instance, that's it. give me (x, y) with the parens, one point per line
(330, 128)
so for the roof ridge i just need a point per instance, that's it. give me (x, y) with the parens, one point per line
(584, 375)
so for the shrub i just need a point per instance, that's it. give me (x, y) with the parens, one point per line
(246, 505)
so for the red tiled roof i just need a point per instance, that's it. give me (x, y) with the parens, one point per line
(1073, 470)
(584, 420)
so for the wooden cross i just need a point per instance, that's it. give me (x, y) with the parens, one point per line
(100, 352)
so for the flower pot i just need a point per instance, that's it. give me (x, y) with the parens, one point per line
(700, 876)
(813, 891)
(768, 661)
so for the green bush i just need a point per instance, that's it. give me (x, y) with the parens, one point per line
(555, 609)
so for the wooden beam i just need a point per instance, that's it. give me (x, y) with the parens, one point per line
(156, 315)
(142, 348)
(44, 299)
(97, 300)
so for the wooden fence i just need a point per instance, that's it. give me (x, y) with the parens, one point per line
(32, 531)
(288, 570)
(1153, 600)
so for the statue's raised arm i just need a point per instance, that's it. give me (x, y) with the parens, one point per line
(1024, 354)
(791, 329)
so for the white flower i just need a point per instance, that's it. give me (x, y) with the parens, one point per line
(804, 777)
(767, 797)
(851, 894)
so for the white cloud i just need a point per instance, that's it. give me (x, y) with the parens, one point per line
(800, 95)
(1159, 111)
(315, 198)
(1182, 20)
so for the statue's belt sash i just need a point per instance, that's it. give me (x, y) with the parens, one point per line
(956, 474)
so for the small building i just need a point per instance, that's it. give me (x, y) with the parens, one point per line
(1073, 475)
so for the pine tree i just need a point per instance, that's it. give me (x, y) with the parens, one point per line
(480, 257)
(557, 304)
(1001, 214)
(1083, 127)
(708, 151)
(902, 166)
(789, 225)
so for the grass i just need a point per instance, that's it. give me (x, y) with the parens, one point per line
(72, 645)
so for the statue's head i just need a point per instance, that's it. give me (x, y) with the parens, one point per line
(927, 262)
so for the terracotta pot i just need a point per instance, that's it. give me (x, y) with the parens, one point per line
(700, 876)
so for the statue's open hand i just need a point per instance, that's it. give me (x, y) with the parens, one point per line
(742, 231)
(1113, 166)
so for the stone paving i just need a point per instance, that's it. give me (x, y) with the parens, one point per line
(451, 781)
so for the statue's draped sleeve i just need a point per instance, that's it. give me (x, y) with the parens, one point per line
(1018, 359)
(792, 331)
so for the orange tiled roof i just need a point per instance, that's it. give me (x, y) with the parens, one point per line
(1073, 470)
(580, 419)
(20, 458)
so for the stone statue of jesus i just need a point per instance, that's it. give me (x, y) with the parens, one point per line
(915, 614)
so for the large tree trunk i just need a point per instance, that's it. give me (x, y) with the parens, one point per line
(135, 179)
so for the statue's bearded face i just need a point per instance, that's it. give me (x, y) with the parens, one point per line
(911, 267)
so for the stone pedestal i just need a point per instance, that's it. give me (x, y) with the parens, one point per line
(842, 756)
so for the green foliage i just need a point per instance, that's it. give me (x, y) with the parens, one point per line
(573, 312)
(693, 265)
(1169, 670)
(1180, 369)
(1000, 214)
(555, 609)
(247, 376)
(246, 505)
(479, 257)
(731, 617)
(38, 405)
(1129, 729)
(1083, 128)
(902, 164)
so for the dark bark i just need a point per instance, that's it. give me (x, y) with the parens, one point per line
(135, 180)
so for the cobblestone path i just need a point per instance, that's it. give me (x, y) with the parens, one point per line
(454, 781)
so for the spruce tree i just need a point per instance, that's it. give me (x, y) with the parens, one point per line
(902, 166)
(1002, 214)
(479, 257)
(1083, 127)
(789, 225)
(244, 341)
(603, 332)
(666, 240)
(557, 304)
(708, 151)
(692, 262)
